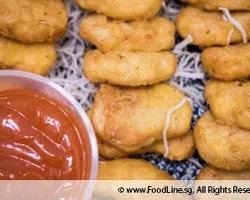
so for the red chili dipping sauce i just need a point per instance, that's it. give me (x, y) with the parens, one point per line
(40, 139)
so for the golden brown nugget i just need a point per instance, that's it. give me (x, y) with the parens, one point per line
(109, 152)
(179, 148)
(217, 177)
(222, 146)
(129, 68)
(130, 169)
(105, 150)
(112, 35)
(140, 171)
(131, 118)
(211, 173)
(209, 28)
(35, 58)
(125, 10)
(32, 21)
(215, 4)
(227, 63)
(229, 102)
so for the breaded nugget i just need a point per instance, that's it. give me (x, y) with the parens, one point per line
(227, 63)
(114, 174)
(35, 58)
(109, 152)
(179, 148)
(32, 21)
(211, 173)
(129, 68)
(222, 146)
(130, 169)
(215, 4)
(125, 10)
(145, 35)
(209, 28)
(229, 102)
(131, 118)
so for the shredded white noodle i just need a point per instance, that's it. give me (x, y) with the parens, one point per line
(234, 22)
(224, 18)
(229, 36)
(167, 124)
(183, 44)
(189, 67)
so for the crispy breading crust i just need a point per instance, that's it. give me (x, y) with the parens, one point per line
(35, 58)
(215, 4)
(125, 10)
(129, 68)
(113, 35)
(227, 63)
(209, 28)
(229, 102)
(109, 152)
(131, 118)
(32, 21)
(211, 173)
(222, 146)
(130, 169)
(180, 148)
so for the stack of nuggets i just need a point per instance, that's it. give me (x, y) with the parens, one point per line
(129, 115)
(210, 30)
(129, 53)
(222, 134)
(28, 31)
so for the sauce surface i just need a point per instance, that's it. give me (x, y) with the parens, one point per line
(39, 139)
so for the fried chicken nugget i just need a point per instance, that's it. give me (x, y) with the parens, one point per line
(211, 173)
(140, 173)
(129, 68)
(131, 118)
(130, 169)
(109, 152)
(227, 63)
(209, 28)
(35, 58)
(180, 148)
(32, 21)
(229, 102)
(125, 10)
(145, 35)
(222, 146)
(215, 4)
